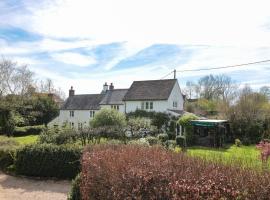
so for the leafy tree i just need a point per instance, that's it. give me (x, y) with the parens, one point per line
(184, 121)
(108, 117)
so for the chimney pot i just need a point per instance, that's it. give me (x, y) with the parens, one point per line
(71, 92)
(111, 86)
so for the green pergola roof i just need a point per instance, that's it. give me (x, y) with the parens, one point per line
(207, 122)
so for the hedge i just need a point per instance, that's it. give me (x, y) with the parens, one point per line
(8, 148)
(75, 193)
(138, 172)
(47, 160)
(28, 130)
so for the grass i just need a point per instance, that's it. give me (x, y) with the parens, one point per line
(29, 139)
(244, 156)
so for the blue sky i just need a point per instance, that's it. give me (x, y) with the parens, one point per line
(85, 43)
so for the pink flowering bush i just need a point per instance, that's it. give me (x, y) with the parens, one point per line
(264, 147)
(137, 172)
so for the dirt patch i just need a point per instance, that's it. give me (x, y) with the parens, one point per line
(28, 189)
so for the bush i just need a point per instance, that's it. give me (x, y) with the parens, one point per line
(28, 130)
(108, 117)
(238, 142)
(152, 140)
(185, 122)
(170, 144)
(8, 148)
(141, 142)
(75, 193)
(46, 160)
(163, 137)
(136, 172)
(58, 136)
(180, 141)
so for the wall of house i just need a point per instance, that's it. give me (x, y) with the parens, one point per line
(161, 106)
(176, 95)
(158, 106)
(121, 107)
(80, 116)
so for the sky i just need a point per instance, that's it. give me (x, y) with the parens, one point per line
(85, 43)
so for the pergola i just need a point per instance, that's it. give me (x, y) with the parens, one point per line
(211, 132)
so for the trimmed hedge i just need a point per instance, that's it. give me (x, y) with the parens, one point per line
(28, 130)
(138, 172)
(47, 160)
(8, 148)
(75, 193)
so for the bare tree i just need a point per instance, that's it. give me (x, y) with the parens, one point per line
(14, 79)
(47, 86)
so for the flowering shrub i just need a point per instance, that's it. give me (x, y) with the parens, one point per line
(138, 172)
(264, 147)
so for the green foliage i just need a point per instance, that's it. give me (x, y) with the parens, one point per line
(152, 140)
(29, 130)
(170, 144)
(75, 193)
(163, 137)
(141, 141)
(108, 117)
(159, 119)
(180, 141)
(8, 148)
(58, 136)
(47, 160)
(136, 124)
(237, 142)
(188, 129)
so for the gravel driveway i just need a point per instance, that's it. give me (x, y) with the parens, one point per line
(12, 188)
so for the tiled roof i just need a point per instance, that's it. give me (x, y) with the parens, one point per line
(114, 97)
(83, 102)
(150, 90)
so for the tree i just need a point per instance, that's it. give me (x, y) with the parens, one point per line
(48, 86)
(14, 79)
(108, 117)
(265, 90)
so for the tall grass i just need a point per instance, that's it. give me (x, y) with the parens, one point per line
(245, 156)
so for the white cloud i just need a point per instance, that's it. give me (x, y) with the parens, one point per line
(74, 59)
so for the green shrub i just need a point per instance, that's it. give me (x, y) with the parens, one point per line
(75, 193)
(47, 160)
(141, 141)
(28, 130)
(108, 117)
(237, 142)
(8, 148)
(180, 141)
(58, 136)
(152, 140)
(185, 122)
(170, 144)
(163, 137)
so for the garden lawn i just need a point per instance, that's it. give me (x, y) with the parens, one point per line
(29, 139)
(245, 156)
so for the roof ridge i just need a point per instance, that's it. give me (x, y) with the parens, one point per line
(156, 80)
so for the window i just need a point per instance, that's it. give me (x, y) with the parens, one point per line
(92, 113)
(71, 124)
(142, 105)
(147, 105)
(80, 126)
(151, 105)
(71, 113)
(175, 104)
(115, 107)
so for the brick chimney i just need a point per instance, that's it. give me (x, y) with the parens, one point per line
(71, 92)
(111, 86)
(105, 87)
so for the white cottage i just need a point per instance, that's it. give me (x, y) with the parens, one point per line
(151, 95)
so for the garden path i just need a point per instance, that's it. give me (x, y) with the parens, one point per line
(29, 189)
